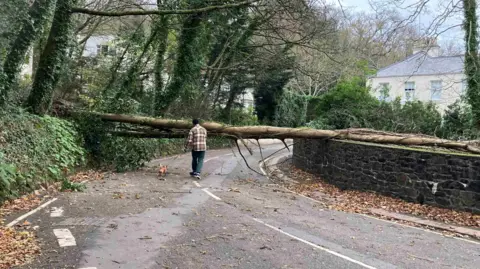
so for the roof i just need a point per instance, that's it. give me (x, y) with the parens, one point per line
(420, 64)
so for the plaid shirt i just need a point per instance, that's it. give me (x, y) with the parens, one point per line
(197, 138)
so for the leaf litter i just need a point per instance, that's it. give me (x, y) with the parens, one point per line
(19, 245)
(362, 202)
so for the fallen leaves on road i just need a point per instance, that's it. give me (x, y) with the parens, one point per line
(361, 202)
(16, 248)
(25, 202)
(89, 175)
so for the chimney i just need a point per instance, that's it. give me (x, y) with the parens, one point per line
(428, 45)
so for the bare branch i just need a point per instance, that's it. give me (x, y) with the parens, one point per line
(159, 12)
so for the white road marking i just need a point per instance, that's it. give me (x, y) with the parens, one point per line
(65, 237)
(211, 194)
(315, 246)
(89, 268)
(196, 183)
(372, 217)
(56, 212)
(229, 154)
(17, 220)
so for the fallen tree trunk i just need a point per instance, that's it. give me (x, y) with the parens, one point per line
(259, 132)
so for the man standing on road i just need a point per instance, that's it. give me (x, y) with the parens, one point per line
(197, 140)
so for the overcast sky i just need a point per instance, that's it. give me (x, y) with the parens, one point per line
(433, 9)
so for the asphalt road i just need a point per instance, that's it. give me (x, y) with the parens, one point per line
(232, 218)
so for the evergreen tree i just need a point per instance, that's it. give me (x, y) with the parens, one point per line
(30, 30)
(472, 64)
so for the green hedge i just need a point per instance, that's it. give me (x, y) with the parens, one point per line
(35, 150)
(125, 153)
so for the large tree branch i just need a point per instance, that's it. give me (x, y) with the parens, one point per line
(160, 12)
(259, 132)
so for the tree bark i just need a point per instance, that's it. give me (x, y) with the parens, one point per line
(187, 72)
(259, 132)
(472, 64)
(160, 12)
(31, 28)
(52, 59)
(162, 38)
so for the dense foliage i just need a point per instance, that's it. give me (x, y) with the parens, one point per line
(286, 63)
(350, 105)
(35, 150)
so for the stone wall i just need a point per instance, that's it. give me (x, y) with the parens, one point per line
(435, 178)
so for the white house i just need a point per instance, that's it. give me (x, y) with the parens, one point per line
(424, 76)
(247, 99)
(99, 45)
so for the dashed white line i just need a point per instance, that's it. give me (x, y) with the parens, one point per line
(196, 183)
(17, 220)
(56, 212)
(316, 246)
(65, 237)
(211, 194)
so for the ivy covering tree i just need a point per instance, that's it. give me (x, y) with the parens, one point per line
(52, 59)
(270, 85)
(191, 55)
(30, 30)
(472, 64)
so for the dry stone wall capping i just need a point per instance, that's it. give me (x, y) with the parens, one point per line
(447, 180)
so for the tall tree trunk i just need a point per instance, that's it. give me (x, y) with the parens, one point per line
(472, 64)
(31, 29)
(235, 91)
(162, 37)
(52, 59)
(187, 72)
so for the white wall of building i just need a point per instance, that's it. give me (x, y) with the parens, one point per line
(452, 88)
(27, 68)
(247, 98)
(92, 45)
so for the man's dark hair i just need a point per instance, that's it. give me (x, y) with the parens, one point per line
(195, 121)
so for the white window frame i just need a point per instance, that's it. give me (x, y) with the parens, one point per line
(384, 91)
(409, 91)
(436, 90)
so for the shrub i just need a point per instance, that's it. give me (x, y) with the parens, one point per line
(128, 153)
(458, 123)
(350, 105)
(242, 116)
(35, 150)
(291, 110)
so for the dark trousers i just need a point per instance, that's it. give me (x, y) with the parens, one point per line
(197, 161)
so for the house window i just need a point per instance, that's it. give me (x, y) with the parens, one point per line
(384, 92)
(102, 50)
(436, 89)
(409, 91)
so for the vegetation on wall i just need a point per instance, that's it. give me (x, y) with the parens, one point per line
(35, 150)
(305, 64)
